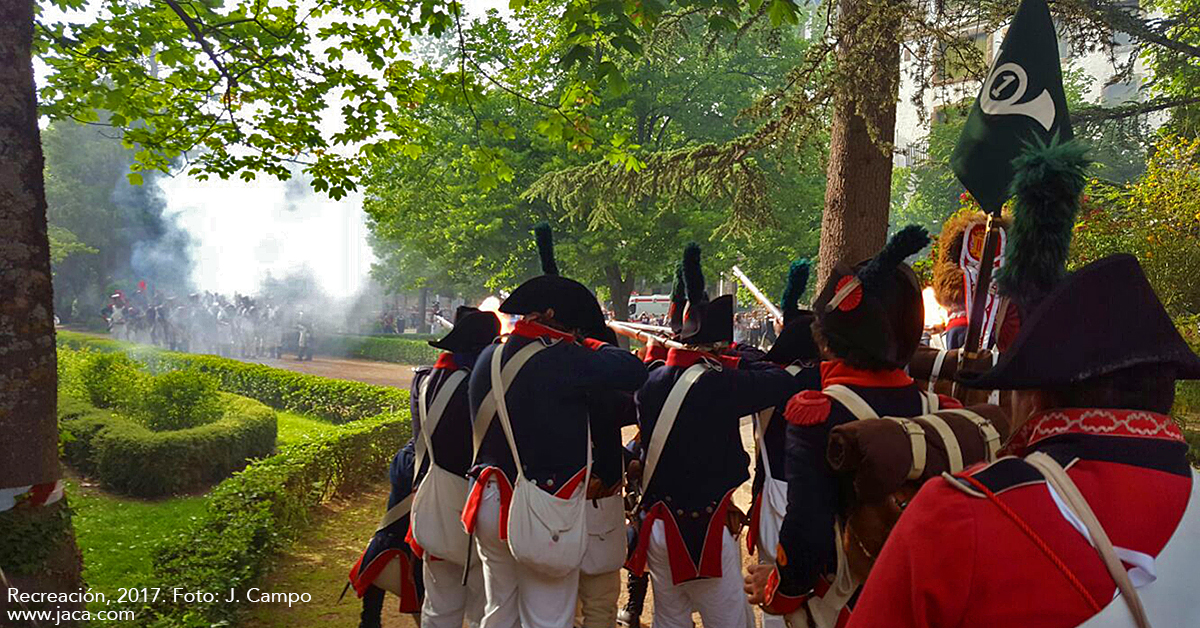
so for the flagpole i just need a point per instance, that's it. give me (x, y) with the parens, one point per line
(978, 313)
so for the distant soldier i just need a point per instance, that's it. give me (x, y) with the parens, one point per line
(690, 412)
(526, 507)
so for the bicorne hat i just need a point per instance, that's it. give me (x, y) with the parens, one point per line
(574, 305)
(704, 321)
(875, 310)
(473, 330)
(795, 340)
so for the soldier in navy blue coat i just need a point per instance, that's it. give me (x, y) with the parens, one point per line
(447, 601)
(548, 402)
(388, 561)
(868, 323)
(685, 539)
(797, 352)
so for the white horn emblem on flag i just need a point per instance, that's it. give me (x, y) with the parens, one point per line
(1040, 109)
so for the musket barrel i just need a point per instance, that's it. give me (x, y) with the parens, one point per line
(758, 294)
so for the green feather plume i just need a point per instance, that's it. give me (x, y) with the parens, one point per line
(1048, 181)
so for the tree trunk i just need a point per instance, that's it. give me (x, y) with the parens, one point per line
(37, 544)
(858, 190)
(423, 309)
(619, 288)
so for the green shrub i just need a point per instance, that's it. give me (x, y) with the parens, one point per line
(129, 458)
(111, 380)
(335, 401)
(401, 350)
(255, 513)
(178, 400)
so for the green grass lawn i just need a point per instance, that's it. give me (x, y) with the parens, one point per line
(295, 428)
(117, 534)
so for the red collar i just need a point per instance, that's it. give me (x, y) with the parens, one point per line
(1093, 422)
(656, 352)
(838, 372)
(686, 357)
(446, 361)
(530, 329)
(959, 320)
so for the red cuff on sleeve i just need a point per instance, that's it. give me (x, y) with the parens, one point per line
(730, 361)
(778, 603)
(593, 344)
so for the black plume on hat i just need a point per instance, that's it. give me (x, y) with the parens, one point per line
(797, 283)
(545, 245)
(704, 321)
(574, 305)
(678, 301)
(907, 242)
(1049, 179)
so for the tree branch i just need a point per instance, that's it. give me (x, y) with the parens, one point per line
(1099, 114)
(1124, 20)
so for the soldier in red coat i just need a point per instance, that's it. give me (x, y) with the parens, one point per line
(1114, 539)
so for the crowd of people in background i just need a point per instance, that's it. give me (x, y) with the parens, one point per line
(207, 322)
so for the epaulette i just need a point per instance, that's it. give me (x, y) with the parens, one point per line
(808, 407)
(1004, 474)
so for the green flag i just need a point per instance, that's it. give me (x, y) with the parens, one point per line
(1021, 99)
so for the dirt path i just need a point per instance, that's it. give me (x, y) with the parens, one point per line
(366, 371)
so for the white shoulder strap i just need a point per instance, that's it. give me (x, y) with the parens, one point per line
(487, 408)
(853, 402)
(953, 450)
(916, 434)
(763, 419)
(937, 368)
(499, 389)
(991, 435)
(396, 512)
(666, 418)
(930, 402)
(431, 416)
(1062, 484)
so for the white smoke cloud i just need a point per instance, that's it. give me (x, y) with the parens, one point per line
(243, 231)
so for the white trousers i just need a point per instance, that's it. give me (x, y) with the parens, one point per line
(447, 601)
(518, 596)
(720, 601)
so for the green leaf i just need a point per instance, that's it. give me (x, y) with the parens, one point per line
(135, 178)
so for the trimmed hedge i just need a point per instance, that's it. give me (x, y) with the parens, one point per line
(257, 512)
(129, 458)
(401, 350)
(336, 401)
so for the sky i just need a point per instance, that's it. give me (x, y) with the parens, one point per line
(243, 231)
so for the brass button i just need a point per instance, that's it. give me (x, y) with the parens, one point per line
(709, 510)
(695, 515)
(550, 482)
(679, 512)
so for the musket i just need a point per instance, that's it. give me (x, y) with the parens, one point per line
(644, 336)
(762, 298)
(654, 329)
(445, 323)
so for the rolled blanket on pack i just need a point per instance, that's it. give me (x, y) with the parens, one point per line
(939, 366)
(886, 460)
